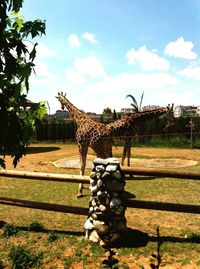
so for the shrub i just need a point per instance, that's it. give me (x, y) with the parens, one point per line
(22, 258)
(1, 264)
(52, 237)
(9, 230)
(36, 227)
(68, 262)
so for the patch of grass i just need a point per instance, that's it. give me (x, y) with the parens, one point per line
(96, 250)
(36, 226)
(174, 226)
(53, 237)
(68, 262)
(195, 237)
(1, 264)
(10, 230)
(22, 258)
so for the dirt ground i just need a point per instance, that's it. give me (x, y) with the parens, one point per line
(40, 157)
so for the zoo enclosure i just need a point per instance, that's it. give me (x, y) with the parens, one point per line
(174, 207)
(152, 133)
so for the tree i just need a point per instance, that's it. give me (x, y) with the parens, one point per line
(16, 65)
(135, 105)
(106, 116)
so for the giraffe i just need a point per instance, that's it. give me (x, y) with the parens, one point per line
(89, 134)
(134, 119)
(99, 136)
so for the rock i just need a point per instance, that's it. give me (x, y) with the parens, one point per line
(92, 182)
(114, 186)
(93, 175)
(119, 210)
(88, 225)
(93, 189)
(116, 174)
(102, 208)
(111, 168)
(102, 230)
(96, 223)
(115, 239)
(94, 237)
(99, 183)
(106, 175)
(100, 168)
(91, 209)
(93, 203)
(115, 202)
(94, 216)
(102, 243)
(122, 226)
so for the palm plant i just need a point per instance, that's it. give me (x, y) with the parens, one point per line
(134, 104)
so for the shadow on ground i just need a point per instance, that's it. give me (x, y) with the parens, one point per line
(132, 239)
(34, 150)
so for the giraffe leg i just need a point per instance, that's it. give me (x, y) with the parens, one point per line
(83, 149)
(128, 155)
(123, 155)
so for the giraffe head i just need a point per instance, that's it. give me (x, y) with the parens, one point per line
(61, 98)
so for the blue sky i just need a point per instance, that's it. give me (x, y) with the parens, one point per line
(100, 51)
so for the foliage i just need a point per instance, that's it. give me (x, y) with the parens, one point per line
(156, 259)
(36, 227)
(107, 115)
(1, 264)
(135, 105)
(53, 237)
(68, 262)
(16, 66)
(9, 230)
(22, 258)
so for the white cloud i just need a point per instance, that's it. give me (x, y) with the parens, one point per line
(128, 81)
(41, 67)
(43, 51)
(90, 37)
(74, 41)
(181, 49)
(42, 72)
(192, 72)
(74, 76)
(148, 60)
(89, 66)
(111, 91)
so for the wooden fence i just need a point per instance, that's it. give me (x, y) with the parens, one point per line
(174, 207)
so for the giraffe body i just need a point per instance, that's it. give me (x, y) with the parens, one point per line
(99, 136)
(89, 133)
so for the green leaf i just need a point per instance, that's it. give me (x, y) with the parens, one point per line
(15, 5)
(33, 52)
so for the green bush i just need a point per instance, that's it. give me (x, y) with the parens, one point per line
(53, 237)
(9, 230)
(36, 227)
(22, 258)
(1, 264)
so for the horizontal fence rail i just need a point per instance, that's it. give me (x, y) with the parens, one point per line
(86, 179)
(45, 176)
(173, 207)
(44, 206)
(152, 205)
(161, 173)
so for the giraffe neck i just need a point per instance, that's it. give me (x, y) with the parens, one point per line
(129, 121)
(75, 113)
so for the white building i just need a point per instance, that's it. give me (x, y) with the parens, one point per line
(186, 111)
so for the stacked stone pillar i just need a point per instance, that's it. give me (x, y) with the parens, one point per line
(106, 222)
